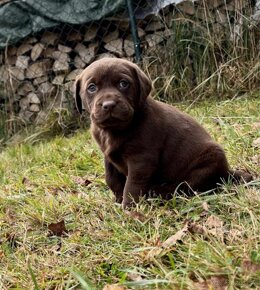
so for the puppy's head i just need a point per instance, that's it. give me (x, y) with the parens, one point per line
(112, 90)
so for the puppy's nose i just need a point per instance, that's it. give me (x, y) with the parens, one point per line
(108, 105)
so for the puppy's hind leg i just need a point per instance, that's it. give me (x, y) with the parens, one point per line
(204, 173)
(209, 170)
(240, 176)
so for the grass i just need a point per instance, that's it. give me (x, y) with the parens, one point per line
(99, 244)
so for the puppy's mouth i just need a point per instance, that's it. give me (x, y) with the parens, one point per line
(111, 120)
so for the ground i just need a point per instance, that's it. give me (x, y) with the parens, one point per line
(61, 229)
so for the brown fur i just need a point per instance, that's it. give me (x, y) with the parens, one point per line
(150, 148)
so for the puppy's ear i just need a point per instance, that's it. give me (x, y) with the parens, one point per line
(145, 85)
(77, 97)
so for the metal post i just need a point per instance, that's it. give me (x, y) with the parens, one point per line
(134, 31)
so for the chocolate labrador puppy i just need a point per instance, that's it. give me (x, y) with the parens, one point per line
(150, 148)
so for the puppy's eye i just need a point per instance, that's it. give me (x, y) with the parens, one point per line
(92, 88)
(123, 84)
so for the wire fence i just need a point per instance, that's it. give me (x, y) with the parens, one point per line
(184, 46)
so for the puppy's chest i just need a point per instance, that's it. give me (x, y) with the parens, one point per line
(117, 159)
(114, 153)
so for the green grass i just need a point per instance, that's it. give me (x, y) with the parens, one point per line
(103, 244)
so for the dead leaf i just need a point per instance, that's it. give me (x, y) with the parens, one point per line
(114, 287)
(218, 121)
(12, 239)
(256, 143)
(250, 267)
(83, 181)
(205, 211)
(157, 241)
(57, 229)
(215, 226)
(217, 282)
(2, 254)
(234, 235)
(213, 222)
(9, 215)
(100, 215)
(196, 228)
(74, 192)
(61, 190)
(156, 251)
(55, 190)
(134, 276)
(205, 206)
(200, 285)
(256, 126)
(171, 241)
(26, 181)
(29, 185)
(136, 215)
(256, 159)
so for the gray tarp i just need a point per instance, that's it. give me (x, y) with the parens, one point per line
(20, 18)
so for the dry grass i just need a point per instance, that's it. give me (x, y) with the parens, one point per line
(200, 61)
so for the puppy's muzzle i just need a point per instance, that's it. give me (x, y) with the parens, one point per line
(108, 106)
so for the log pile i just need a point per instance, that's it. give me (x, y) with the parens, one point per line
(44, 66)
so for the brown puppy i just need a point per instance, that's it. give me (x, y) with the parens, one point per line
(149, 147)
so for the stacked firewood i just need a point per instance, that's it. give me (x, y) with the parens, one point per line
(44, 66)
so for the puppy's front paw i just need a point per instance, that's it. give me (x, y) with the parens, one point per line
(119, 198)
(128, 203)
